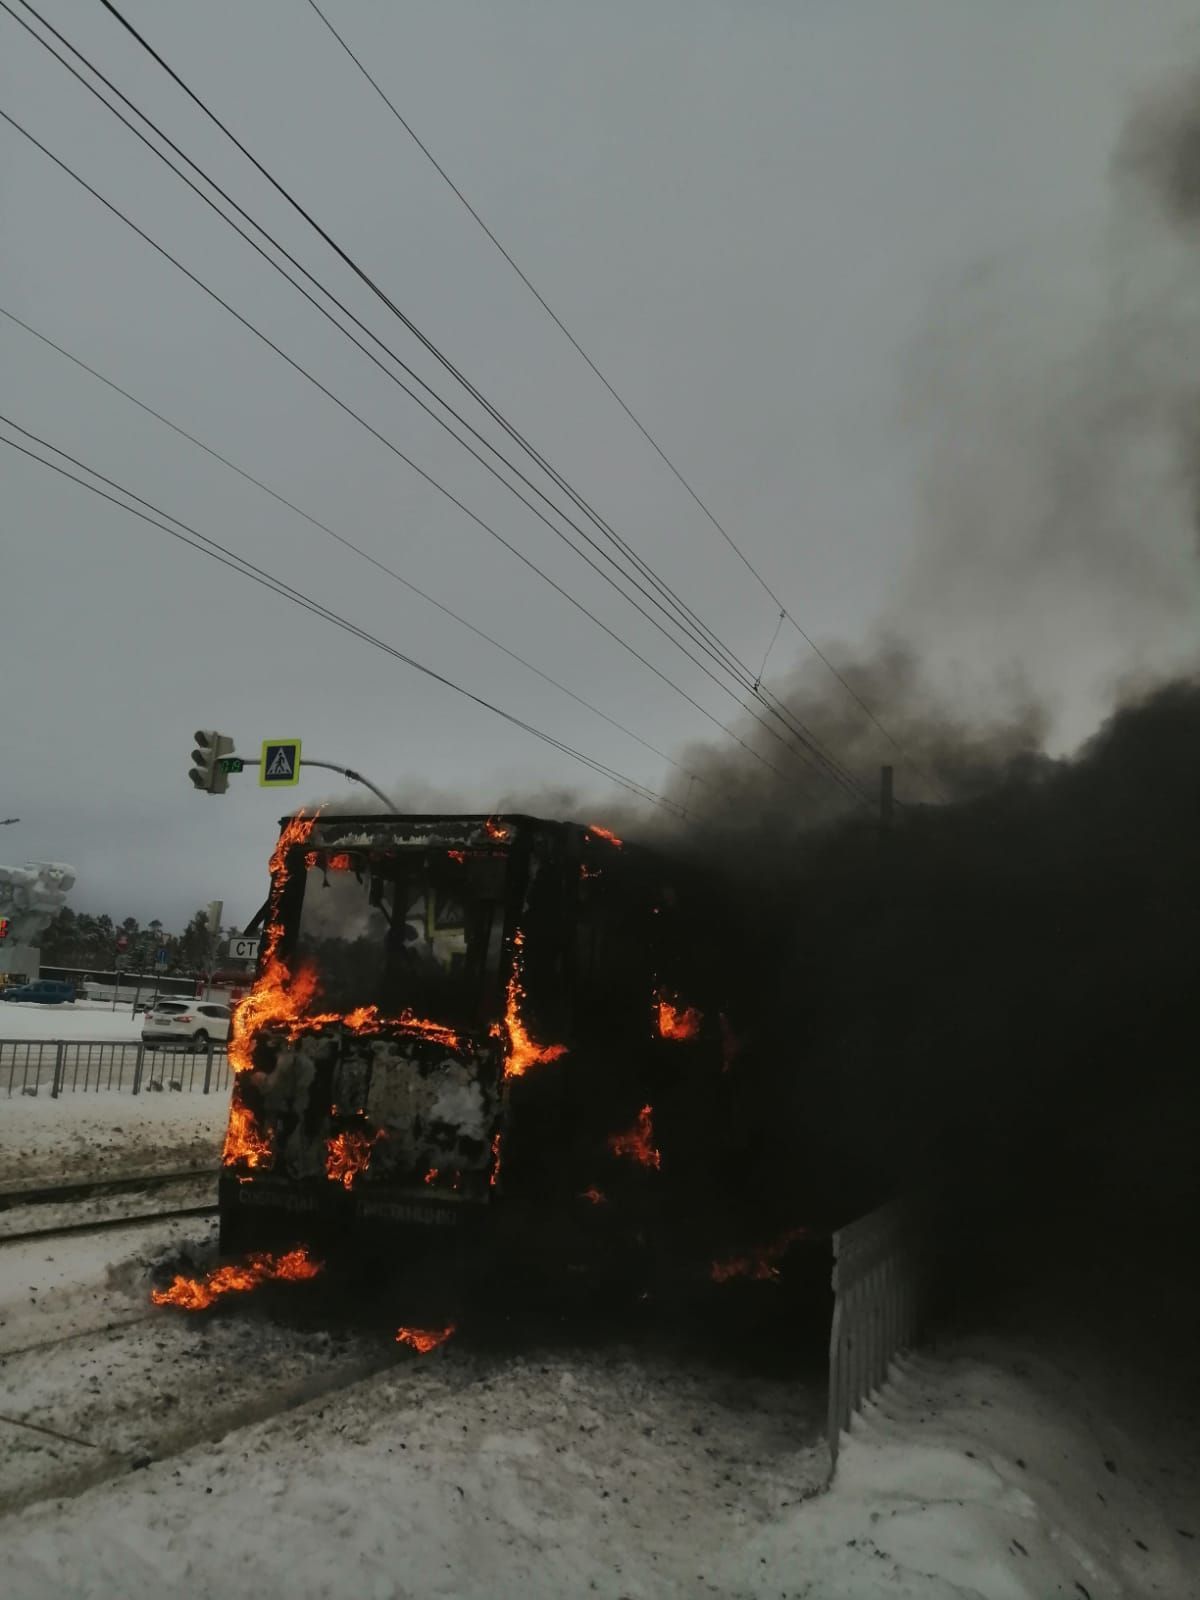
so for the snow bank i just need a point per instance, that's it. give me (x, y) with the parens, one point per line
(80, 1136)
(992, 1474)
(82, 1020)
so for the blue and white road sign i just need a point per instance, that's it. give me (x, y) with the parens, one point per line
(160, 957)
(280, 765)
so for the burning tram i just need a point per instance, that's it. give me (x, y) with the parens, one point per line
(485, 1027)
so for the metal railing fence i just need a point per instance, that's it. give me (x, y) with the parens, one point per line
(877, 1280)
(65, 1066)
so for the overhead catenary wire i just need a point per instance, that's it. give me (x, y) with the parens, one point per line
(641, 427)
(194, 539)
(811, 752)
(383, 439)
(690, 631)
(774, 706)
(427, 343)
(341, 539)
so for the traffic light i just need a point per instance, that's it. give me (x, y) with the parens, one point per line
(209, 774)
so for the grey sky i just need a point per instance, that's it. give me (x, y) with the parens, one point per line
(753, 216)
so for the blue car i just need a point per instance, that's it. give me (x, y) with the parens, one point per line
(44, 992)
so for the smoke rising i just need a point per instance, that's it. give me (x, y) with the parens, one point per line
(992, 994)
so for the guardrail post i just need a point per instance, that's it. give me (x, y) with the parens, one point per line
(137, 1071)
(59, 1061)
(208, 1053)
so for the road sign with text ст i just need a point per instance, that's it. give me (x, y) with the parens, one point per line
(280, 767)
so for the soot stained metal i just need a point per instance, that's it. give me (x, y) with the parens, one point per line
(466, 996)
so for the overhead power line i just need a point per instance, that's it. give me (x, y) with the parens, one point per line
(810, 752)
(342, 540)
(365, 277)
(774, 706)
(641, 427)
(195, 540)
(383, 439)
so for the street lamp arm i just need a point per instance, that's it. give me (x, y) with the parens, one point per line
(354, 777)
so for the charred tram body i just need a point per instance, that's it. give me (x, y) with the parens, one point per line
(494, 1029)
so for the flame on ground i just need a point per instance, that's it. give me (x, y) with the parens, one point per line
(675, 1020)
(346, 1155)
(423, 1340)
(760, 1265)
(195, 1294)
(595, 831)
(597, 1197)
(638, 1142)
(523, 1052)
(245, 1143)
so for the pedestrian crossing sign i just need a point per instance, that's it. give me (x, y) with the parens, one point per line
(280, 764)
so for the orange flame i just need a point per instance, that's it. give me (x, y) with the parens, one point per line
(338, 863)
(194, 1294)
(596, 1196)
(677, 1021)
(423, 1340)
(431, 1176)
(244, 1141)
(523, 1053)
(347, 1154)
(457, 855)
(277, 997)
(494, 831)
(595, 831)
(495, 1177)
(638, 1142)
(760, 1265)
(280, 999)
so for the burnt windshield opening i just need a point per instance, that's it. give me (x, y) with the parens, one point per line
(415, 930)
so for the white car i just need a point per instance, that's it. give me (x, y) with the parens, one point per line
(198, 1022)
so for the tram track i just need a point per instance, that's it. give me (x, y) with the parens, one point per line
(96, 1188)
(53, 1211)
(105, 1224)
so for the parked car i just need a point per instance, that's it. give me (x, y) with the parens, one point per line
(198, 1022)
(43, 992)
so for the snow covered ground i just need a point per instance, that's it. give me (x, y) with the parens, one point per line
(104, 1135)
(983, 1472)
(239, 1455)
(85, 1019)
